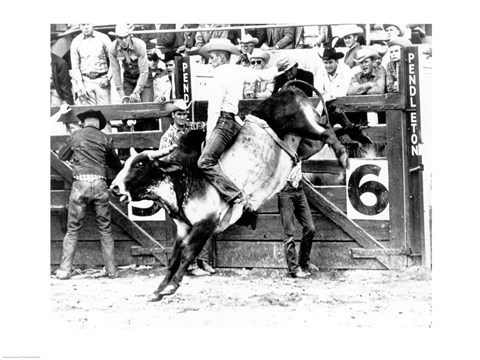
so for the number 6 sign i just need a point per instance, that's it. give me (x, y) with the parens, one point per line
(367, 189)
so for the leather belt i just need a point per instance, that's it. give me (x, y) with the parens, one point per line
(227, 115)
(88, 177)
(92, 75)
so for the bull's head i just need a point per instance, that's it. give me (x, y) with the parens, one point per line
(144, 178)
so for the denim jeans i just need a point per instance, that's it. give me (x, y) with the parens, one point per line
(222, 135)
(292, 202)
(84, 193)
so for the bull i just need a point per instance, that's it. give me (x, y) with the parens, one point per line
(278, 132)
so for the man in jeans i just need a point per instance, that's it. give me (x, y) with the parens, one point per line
(90, 152)
(293, 202)
(223, 123)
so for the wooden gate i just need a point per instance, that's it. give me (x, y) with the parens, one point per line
(340, 241)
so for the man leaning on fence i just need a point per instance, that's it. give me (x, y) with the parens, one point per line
(90, 151)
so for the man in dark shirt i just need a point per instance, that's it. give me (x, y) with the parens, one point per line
(90, 151)
(293, 72)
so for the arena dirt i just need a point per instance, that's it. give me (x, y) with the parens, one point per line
(244, 297)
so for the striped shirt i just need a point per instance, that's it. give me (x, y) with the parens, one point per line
(89, 54)
(171, 137)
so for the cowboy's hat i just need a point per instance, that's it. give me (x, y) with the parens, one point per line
(259, 54)
(176, 105)
(93, 114)
(219, 44)
(248, 39)
(381, 49)
(330, 53)
(344, 30)
(366, 52)
(400, 28)
(286, 64)
(400, 41)
(121, 30)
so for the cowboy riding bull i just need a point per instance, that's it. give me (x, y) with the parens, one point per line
(279, 131)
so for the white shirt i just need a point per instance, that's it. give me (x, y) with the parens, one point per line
(336, 85)
(226, 89)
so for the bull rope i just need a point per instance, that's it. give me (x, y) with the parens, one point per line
(263, 124)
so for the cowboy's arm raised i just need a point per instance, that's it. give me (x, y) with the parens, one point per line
(153, 154)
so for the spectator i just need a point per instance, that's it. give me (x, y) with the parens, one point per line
(188, 37)
(371, 79)
(257, 33)
(291, 71)
(394, 30)
(61, 83)
(91, 152)
(350, 34)
(333, 82)
(315, 36)
(247, 44)
(164, 86)
(283, 37)
(90, 70)
(223, 123)
(203, 37)
(394, 49)
(258, 89)
(130, 53)
(292, 202)
(147, 38)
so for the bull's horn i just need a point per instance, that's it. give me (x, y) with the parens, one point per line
(133, 152)
(288, 83)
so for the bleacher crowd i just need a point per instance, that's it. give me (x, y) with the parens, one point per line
(140, 66)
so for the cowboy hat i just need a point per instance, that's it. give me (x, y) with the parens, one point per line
(196, 51)
(176, 105)
(121, 30)
(96, 114)
(248, 39)
(400, 28)
(400, 41)
(366, 52)
(330, 53)
(219, 44)
(381, 49)
(286, 64)
(259, 54)
(344, 30)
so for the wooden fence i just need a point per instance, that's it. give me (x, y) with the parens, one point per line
(339, 243)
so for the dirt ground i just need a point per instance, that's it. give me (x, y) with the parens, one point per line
(246, 298)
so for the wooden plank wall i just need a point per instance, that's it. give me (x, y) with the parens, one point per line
(238, 246)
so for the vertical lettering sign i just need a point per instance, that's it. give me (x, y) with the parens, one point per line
(367, 189)
(414, 147)
(413, 105)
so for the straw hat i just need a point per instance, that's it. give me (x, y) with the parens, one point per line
(219, 44)
(121, 30)
(286, 64)
(400, 41)
(400, 28)
(259, 54)
(366, 52)
(175, 106)
(344, 30)
(248, 39)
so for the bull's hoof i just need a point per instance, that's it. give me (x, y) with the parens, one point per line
(155, 297)
(169, 290)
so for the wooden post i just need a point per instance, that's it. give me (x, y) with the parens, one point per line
(397, 174)
(414, 156)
